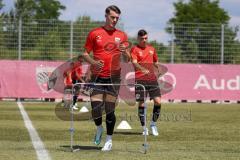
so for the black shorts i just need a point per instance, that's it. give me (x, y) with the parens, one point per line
(76, 88)
(105, 89)
(151, 88)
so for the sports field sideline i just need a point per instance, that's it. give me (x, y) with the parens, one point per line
(187, 131)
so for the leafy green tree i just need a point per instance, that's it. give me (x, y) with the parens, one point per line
(197, 28)
(48, 47)
(48, 9)
(58, 44)
(36, 9)
(199, 11)
(1, 5)
(1, 29)
(31, 12)
(162, 51)
(24, 9)
(81, 29)
(231, 45)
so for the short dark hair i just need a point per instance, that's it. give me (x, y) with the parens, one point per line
(142, 32)
(112, 8)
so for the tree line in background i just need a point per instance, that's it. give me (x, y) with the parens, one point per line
(200, 36)
(45, 37)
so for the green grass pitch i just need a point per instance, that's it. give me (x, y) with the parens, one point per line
(187, 131)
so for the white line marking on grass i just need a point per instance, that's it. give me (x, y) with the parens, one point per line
(38, 145)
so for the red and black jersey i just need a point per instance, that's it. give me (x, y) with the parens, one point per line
(95, 43)
(67, 78)
(145, 57)
(74, 73)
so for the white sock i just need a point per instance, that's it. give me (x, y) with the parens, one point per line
(153, 123)
(108, 138)
(146, 128)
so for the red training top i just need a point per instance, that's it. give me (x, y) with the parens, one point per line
(145, 57)
(96, 40)
(75, 73)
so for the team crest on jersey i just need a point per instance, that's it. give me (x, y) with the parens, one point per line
(117, 39)
(98, 38)
(151, 52)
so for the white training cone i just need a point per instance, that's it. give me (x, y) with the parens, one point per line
(84, 109)
(124, 125)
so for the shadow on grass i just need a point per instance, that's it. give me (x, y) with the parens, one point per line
(128, 133)
(78, 147)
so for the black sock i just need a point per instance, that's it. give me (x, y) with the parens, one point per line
(156, 112)
(141, 115)
(110, 117)
(97, 112)
(75, 99)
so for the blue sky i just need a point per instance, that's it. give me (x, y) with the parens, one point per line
(151, 15)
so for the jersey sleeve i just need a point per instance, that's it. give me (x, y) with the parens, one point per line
(89, 42)
(125, 38)
(155, 57)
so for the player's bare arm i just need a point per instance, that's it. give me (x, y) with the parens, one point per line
(126, 53)
(91, 61)
(160, 70)
(139, 67)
